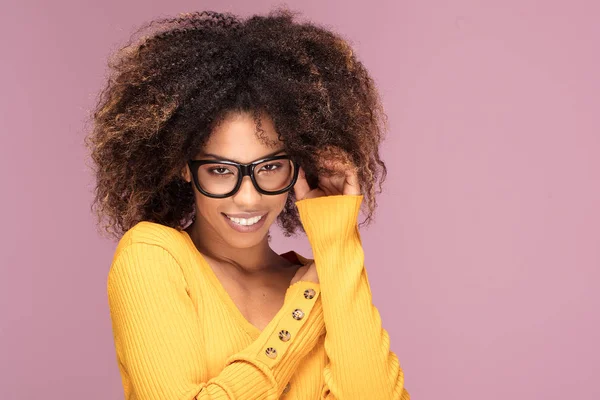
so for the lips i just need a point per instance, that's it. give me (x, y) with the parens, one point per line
(245, 228)
(246, 221)
(246, 215)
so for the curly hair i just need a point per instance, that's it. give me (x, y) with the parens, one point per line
(168, 89)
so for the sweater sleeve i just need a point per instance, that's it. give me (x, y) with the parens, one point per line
(159, 343)
(360, 365)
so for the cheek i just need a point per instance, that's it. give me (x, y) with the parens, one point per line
(278, 203)
(206, 206)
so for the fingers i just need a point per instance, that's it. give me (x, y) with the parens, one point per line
(352, 184)
(342, 179)
(331, 185)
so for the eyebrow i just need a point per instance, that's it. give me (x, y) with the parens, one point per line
(228, 159)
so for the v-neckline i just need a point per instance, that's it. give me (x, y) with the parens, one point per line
(253, 331)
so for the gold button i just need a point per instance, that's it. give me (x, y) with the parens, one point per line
(287, 388)
(271, 352)
(298, 314)
(284, 335)
(309, 293)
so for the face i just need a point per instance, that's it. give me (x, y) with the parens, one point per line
(235, 139)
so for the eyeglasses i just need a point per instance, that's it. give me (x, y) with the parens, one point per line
(220, 178)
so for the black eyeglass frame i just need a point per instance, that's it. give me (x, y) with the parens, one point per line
(243, 170)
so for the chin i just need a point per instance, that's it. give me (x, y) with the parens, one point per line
(245, 241)
(242, 240)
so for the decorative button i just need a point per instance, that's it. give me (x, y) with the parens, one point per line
(271, 352)
(298, 314)
(287, 388)
(309, 293)
(284, 335)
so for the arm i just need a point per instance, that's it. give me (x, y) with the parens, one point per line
(159, 342)
(361, 365)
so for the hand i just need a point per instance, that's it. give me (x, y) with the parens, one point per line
(306, 273)
(343, 181)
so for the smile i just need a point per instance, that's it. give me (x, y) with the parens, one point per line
(244, 221)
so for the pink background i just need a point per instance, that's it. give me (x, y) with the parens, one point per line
(485, 253)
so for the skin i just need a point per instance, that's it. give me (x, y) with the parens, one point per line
(254, 275)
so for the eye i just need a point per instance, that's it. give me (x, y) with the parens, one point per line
(270, 167)
(219, 171)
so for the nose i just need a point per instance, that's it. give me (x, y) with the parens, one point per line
(247, 196)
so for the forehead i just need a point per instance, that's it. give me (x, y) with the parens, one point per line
(236, 138)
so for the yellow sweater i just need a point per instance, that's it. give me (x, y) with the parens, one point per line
(178, 334)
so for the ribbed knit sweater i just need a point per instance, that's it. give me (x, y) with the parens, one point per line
(178, 334)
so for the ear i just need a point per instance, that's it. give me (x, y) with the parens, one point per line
(186, 174)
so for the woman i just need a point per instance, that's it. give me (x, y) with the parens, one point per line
(210, 129)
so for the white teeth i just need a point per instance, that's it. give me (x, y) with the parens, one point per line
(244, 221)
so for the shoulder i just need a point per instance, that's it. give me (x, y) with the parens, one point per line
(295, 258)
(152, 234)
(149, 256)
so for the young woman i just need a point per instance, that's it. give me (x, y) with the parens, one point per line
(210, 129)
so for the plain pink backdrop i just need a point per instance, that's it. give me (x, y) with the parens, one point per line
(484, 256)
